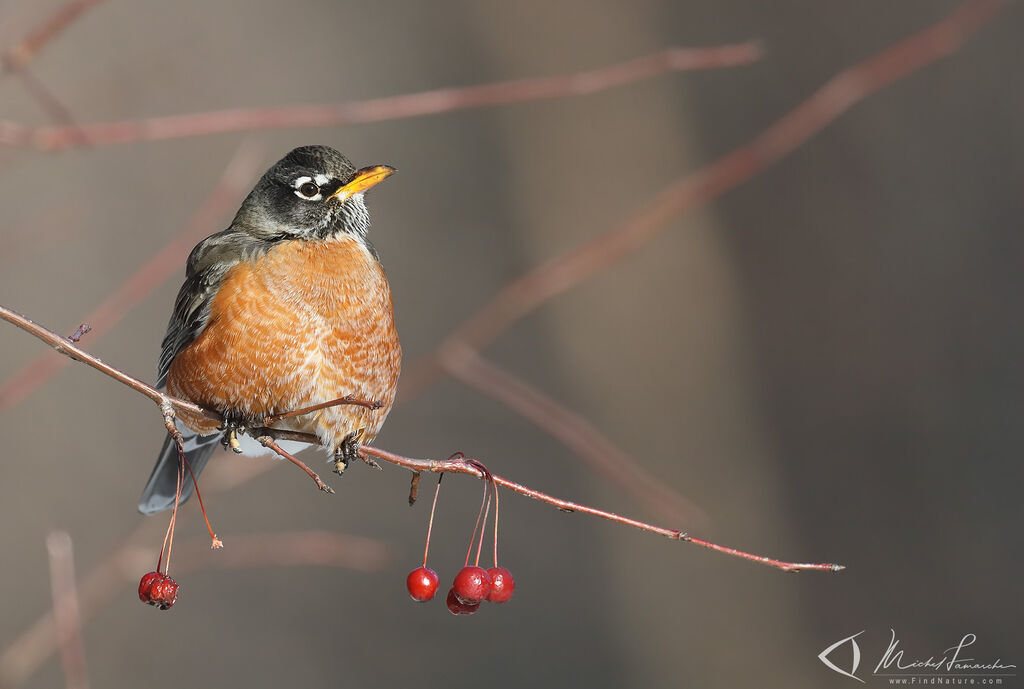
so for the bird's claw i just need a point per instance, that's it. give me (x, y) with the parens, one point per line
(347, 451)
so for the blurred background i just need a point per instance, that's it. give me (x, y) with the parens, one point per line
(826, 360)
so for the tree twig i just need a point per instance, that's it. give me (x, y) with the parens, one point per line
(467, 466)
(347, 399)
(66, 615)
(69, 349)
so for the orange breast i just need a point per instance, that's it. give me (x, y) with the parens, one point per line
(307, 323)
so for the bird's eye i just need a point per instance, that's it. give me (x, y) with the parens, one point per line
(309, 190)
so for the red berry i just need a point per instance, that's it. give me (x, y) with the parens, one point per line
(146, 583)
(472, 584)
(164, 593)
(502, 585)
(459, 607)
(422, 583)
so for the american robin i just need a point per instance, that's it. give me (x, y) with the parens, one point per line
(287, 308)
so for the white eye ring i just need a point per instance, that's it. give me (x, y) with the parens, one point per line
(305, 182)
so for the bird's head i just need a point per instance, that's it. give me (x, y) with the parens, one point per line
(314, 192)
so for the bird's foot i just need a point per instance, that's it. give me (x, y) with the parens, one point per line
(235, 423)
(349, 450)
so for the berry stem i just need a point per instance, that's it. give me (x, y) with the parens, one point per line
(430, 524)
(163, 547)
(495, 488)
(472, 539)
(214, 541)
(483, 526)
(169, 536)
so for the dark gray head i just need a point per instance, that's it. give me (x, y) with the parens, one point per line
(314, 192)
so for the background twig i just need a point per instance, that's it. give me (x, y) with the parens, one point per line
(66, 614)
(381, 109)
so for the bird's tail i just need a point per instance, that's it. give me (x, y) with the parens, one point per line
(158, 495)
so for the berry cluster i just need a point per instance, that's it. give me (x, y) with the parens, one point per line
(473, 584)
(158, 590)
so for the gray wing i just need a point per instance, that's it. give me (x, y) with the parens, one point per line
(162, 486)
(204, 274)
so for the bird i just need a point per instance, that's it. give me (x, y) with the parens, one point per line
(287, 308)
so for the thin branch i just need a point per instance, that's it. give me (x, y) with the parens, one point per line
(452, 465)
(464, 466)
(225, 194)
(380, 109)
(346, 400)
(68, 349)
(66, 615)
(694, 190)
(572, 430)
(22, 52)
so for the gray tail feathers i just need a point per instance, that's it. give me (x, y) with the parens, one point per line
(158, 495)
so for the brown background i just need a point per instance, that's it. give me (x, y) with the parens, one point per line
(827, 360)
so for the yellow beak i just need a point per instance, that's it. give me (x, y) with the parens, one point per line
(364, 179)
